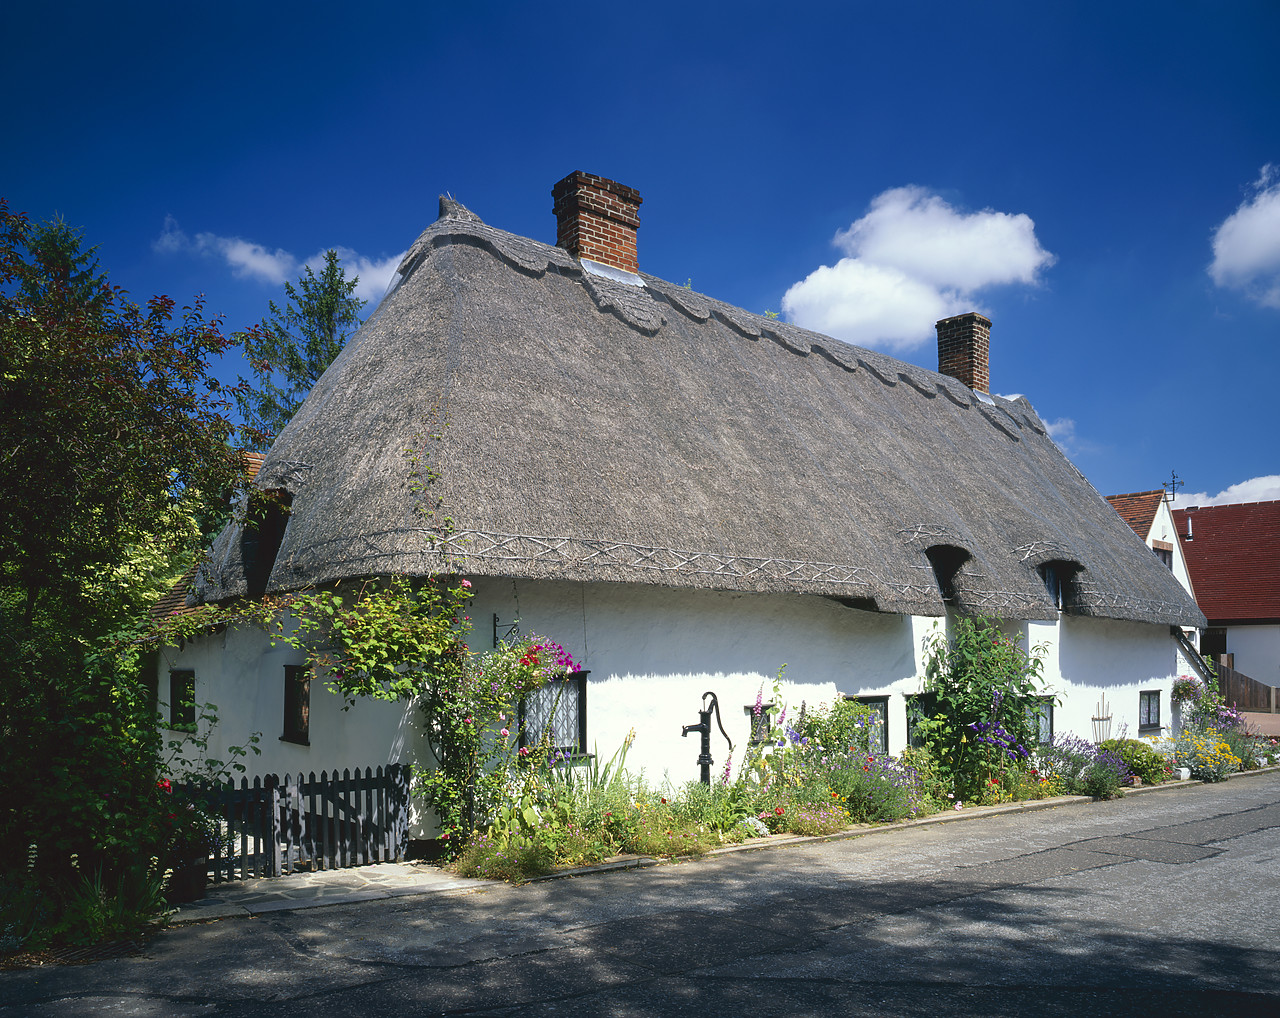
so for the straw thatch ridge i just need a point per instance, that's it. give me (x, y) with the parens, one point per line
(504, 413)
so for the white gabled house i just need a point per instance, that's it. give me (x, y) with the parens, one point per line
(684, 494)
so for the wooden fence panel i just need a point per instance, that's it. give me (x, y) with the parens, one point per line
(276, 826)
(1245, 692)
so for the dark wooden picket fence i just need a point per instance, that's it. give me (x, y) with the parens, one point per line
(274, 825)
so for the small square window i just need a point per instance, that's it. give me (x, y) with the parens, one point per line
(297, 705)
(558, 713)
(182, 700)
(879, 740)
(1040, 715)
(762, 726)
(1149, 712)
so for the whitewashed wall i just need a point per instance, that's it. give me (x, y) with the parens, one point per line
(1257, 651)
(1164, 529)
(243, 675)
(653, 651)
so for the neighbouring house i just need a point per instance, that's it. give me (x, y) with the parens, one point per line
(1150, 514)
(1233, 553)
(685, 494)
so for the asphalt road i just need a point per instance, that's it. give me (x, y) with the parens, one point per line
(1166, 903)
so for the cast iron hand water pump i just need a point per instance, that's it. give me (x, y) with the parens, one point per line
(703, 727)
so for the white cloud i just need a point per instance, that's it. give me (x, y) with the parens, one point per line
(1256, 489)
(911, 260)
(1246, 246)
(248, 260)
(375, 274)
(1063, 429)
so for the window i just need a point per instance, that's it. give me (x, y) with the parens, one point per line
(759, 729)
(558, 712)
(297, 705)
(879, 741)
(919, 705)
(182, 700)
(261, 537)
(1149, 712)
(1213, 641)
(1053, 583)
(946, 560)
(1164, 552)
(1040, 714)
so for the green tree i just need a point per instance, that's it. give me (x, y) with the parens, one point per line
(289, 351)
(112, 429)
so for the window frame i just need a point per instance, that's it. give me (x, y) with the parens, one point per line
(579, 679)
(880, 701)
(1041, 710)
(297, 705)
(759, 733)
(1145, 697)
(182, 700)
(913, 702)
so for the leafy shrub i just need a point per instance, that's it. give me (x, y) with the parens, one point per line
(1140, 757)
(876, 788)
(1104, 775)
(844, 726)
(513, 859)
(1078, 767)
(1244, 746)
(1207, 754)
(982, 685)
(816, 819)
(935, 791)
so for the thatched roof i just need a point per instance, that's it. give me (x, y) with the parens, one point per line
(504, 413)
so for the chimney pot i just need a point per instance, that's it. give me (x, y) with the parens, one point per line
(597, 219)
(964, 349)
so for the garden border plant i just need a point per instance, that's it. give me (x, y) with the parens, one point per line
(981, 725)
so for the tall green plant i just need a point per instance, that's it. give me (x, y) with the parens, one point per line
(983, 687)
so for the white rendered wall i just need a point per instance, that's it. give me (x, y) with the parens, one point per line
(1093, 659)
(654, 651)
(243, 675)
(1257, 651)
(1164, 529)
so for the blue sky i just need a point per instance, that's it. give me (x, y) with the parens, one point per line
(1101, 179)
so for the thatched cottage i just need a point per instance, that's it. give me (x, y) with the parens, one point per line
(685, 494)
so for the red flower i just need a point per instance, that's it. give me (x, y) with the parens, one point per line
(778, 810)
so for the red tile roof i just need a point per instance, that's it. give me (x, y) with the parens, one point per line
(1138, 509)
(1234, 558)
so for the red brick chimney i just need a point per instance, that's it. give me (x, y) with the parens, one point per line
(597, 219)
(964, 349)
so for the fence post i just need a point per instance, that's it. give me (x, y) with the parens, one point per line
(271, 829)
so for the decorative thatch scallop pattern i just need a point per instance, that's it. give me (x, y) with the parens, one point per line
(504, 414)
